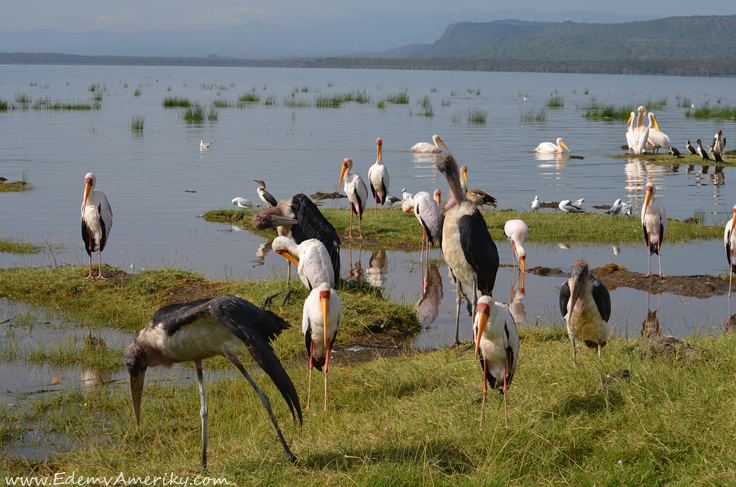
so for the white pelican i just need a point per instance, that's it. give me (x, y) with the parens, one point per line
(639, 133)
(225, 325)
(469, 249)
(516, 231)
(535, 204)
(715, 155)
(427, 147)
(654, 224)
(631, 123)
(719, 142)
(313, 264)
(204, 145)
(378, 177)
(568, 207)
(299, 219)
(656, 139)
(268, 200)
(242, 202)
(320, 321)
(96, 221)
(691, 149)
(357, 193)
(496, 337)
(553, 148)
(586, 310)
(702, 152)
(428, 213)
(729, 241)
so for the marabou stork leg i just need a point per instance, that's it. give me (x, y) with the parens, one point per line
(599, 350)
(202, 412)
(505, 389)
(266, 404)
(327, 366)
(574, 359)
(99, 254)
(457, 314)
(485, 390)
(311, 366)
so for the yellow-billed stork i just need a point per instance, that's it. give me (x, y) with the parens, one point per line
(378, 177)
(357, 193)
(96, 221)
(311, 258)
(654, 224)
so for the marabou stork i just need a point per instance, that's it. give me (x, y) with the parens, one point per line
(313, 264)
(96, 221)
(320, 322)
(553, 148)
(357, 193)
(428, 213)
(729, 241)
(378, 177)
(496, 337)
(719, 142)
(586, 310)
(225, 325)
(516, 231)
(654, 224)
(469, 249)
(427, 147)
(268, 200)
(299, 219)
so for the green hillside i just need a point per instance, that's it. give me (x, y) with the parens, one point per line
(670, 38)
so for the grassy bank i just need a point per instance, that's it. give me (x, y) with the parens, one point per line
(413, 420)
(401, 231)
(686, 158)
(126, 302)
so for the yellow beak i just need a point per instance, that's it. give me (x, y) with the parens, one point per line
(325, 302)
(342, 173)
(522, 263)
(87, 189)
(566, 147)
(654, 119)
(286, 254)
(631, 117)
(646, 201)
(442, 143)
(482, 320)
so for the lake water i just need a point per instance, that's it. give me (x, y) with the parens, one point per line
(158, 181)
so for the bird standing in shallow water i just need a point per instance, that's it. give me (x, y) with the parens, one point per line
(191, 332)
(586, 306)
(204, 145)
(96, 221)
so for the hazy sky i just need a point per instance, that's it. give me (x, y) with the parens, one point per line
(181, 15)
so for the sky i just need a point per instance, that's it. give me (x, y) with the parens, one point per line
(183, 15)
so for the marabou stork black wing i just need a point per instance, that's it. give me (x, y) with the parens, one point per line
(564, 298)
(479, 250)
(312, 224)
(257, 328)
(602, 298)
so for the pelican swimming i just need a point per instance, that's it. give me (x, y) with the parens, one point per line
(654, 224)
(656, 139)
(96, 221)
(553, 148)
(427, 147)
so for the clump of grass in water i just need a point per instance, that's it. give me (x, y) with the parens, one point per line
(176, 101)
(587, 91)
(707, 111)
(195, 112)
(556, 102)
(433, 89)
(16, 246)
(594, 109)
(136, 124)
(684, 102)
(296, 102)
(97, 96)
(213, 114)
(4, 105)
(699, 216)
(534, 115)
(381, 104)
(400, 98)
(220, 103)
(168, 88)
(271, 100)
(446, 102)
(205, 86)
(457, 117)
(48, 104)
(251, 97)
(137, 92)
(330, 84)
(477, 115)
(23, 99)
(427, 110)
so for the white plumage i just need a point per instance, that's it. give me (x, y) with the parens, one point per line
(568, 207)
(616, 208)
(427, 147)
(204, 145)
(549, 147)
(406, 195)
(378, 177)
(496, 338)
(96, 221)
(654, 224)
(656, 139)
(242, 202)
(516, 231)
(535, 204)
(357, 193)
(314, 264)
(639, 133)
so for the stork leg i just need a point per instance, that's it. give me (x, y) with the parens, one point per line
(202, 412)
(457, 314)
(266, 404)
(659, 256)
(505, 388)
(574, 359)
(99, 255)
(350, 229)
(730, 277)
(485, 391)
(311, 366)
(649, 259)
(327, 366)
(599, 350)
(360, 226)
(90, 254)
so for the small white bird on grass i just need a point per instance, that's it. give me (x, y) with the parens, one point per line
(568, 207)
(242, 202)
(204, 145)
(616, 208)
(535, 204)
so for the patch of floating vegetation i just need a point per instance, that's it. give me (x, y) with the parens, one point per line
(685, 158)
(477, 116)
(716, 111)
(176, 102)
(17, 246)
(603, 110)
(534, 115)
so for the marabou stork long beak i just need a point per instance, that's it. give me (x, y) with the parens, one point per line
(87, 189)
(324, 300)
(285, 253)
(482, 321)
(136, 393)
(578, 286)
(344, 170)
(282, 221)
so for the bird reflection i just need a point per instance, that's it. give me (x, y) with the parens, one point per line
(377, 269)
(261, 253)
(518, 311)
(650, 326)
(91, 378)
(356, 273)
(731, 325)
(429, 306)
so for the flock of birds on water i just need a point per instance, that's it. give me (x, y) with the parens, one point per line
(224, 325)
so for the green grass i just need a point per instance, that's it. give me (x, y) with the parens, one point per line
(413, 421)
(446, 102)
(477, 115)
(220, 103)
(400, 98)
(596, 109)
(555, 102)
(534, 115)
(16, 246)
(196, 112)
(4, 105)
(293, 102)
(271, 100)
(687, 158)
(397, 230)
(426, 108)
(708, 111)
(23, 99)
(683, 102)
(47, 103)
(137, 122)
(176, 102)
(250, 97)
(138, 91)
(16, 186)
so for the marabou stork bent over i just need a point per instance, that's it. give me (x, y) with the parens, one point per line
(224, 325)
(96, 221)
(586, 309)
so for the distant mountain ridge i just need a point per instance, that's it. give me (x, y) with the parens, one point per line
(674, 37)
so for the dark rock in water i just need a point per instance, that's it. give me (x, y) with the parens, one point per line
(576, 157)
(545, 271)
